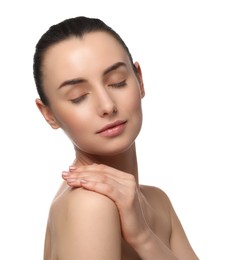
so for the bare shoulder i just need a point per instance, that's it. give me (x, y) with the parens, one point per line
(156, 197)
(79, 202)
(178, 240)
(152, 190)
(157, 209)
(80, 206)
(76, 217)
(72, 199)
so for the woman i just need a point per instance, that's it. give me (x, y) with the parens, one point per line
(90, 87)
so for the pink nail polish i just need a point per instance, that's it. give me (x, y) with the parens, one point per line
(72, 168)
(71, 180)
(83, 181)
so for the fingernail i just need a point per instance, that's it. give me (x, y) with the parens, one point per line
(71, 168)
(65, 173)
(71, 180)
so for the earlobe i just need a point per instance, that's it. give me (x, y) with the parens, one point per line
(140, 78)
(47, 114)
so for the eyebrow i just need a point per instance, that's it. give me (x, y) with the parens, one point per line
(71, 82)
(115, 66)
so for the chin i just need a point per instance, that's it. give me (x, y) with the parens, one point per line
(111, 147)
(114, 148)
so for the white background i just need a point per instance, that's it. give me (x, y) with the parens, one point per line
(182, 49)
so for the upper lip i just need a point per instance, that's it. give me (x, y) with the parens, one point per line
(111, 125)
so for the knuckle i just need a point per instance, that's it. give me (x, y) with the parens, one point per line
(131, 177)
(109, 189)
(101, 167)
(103, 178)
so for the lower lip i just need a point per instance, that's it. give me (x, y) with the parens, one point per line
(114, 131)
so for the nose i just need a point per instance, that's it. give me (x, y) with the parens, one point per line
(105, 103)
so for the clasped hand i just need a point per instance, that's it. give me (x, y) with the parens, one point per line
(121, 188)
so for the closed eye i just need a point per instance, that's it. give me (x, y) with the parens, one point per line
(79, 99)
(118, 84)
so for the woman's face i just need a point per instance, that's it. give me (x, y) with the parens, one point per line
(94, 94)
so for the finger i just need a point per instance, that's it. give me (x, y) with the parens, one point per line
(124, 192)
(102, 188)
(85, 172)
(101, 168)
(100, 178)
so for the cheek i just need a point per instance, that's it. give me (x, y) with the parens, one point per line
(78, 124)
(76, 127)
(132, 103)
(134, 110)
(72, 119)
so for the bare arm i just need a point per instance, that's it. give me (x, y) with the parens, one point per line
(179, 241)
(87, 227)
(122, 189)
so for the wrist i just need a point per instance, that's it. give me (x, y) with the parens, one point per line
(143, 243)
(149, 246)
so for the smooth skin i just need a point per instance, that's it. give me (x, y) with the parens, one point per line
(101, 211)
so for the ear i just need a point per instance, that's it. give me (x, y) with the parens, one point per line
(140, 78)
(47, 114)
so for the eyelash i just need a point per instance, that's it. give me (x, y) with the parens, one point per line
(118, 84)
(79, 99)
(115, 85)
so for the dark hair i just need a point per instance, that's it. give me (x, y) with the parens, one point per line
(76, 27)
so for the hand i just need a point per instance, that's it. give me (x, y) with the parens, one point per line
(121, 188)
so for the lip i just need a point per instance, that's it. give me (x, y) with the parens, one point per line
(112, 129)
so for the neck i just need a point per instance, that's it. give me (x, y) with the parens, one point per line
(126, 161)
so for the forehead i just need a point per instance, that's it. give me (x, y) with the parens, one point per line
(98, 47)
(85, 57)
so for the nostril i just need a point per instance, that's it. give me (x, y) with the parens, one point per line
(114, 109)
(105, 103)
(109, 110)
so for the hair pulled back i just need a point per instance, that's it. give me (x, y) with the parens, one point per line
(72, 27)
